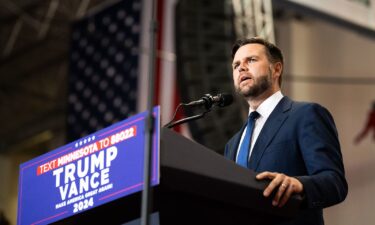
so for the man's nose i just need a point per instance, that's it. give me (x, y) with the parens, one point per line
(242, 67)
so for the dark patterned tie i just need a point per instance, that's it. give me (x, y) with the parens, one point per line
(243, 155)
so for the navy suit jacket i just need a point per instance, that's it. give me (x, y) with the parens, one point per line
(300, 140)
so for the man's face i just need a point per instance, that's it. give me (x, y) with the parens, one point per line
(252, 71)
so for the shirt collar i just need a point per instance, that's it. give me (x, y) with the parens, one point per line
(268, 105)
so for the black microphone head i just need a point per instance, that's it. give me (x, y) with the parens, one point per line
(225, 99)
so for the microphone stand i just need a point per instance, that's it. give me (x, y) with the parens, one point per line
(208, 101)
(187, 119)
(149, 125)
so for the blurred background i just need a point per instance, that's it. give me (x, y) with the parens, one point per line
(69, 68)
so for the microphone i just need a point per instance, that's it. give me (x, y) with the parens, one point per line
(221, 100)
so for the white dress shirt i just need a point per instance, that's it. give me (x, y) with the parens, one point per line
(265, 109)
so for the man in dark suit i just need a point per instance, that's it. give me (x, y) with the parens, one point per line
(293, 144)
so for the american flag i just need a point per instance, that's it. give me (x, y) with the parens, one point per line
(104, 62)
(108, 66)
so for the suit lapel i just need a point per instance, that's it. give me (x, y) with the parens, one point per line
(269, 130)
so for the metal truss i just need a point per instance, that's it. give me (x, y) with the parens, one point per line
(254, 18)
(36, 16)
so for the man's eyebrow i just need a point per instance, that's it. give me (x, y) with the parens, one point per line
(252, 56)
(247, 58)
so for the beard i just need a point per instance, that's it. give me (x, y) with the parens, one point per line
(261, 84)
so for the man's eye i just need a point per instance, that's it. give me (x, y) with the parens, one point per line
(251, 60)
(235, 66)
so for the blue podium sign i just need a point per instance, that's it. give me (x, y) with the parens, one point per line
(86, 173)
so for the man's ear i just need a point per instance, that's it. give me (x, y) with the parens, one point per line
(277, 69)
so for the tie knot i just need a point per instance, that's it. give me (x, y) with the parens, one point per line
(254, 115)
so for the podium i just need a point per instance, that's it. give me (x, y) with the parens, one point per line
(197, 186)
